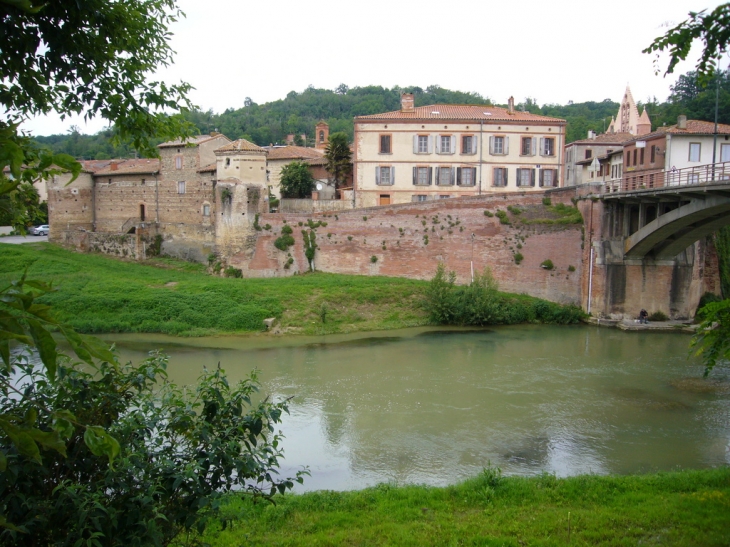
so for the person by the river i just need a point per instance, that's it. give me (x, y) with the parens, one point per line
(643, 315)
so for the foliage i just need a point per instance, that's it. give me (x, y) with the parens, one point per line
(712, 338)
(233, 272)
(480, 303)
(310, 246)
(713, 29)
(488, 214)
(256, 225)
(722, 244)
(284, 241)
(155, 248)
(658, 316)
(547, 201)
(373, 259)
(561, 214)
(680, 508)
(502, 216)
(100, 69)
(518, 257)
(175, 452)
(514, 210)
(296, 181)
(339, 157)
(547, 264)
(226, 196)
(571, 268)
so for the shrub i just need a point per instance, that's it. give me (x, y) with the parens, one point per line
(256, 225)
(514, 210)
(658, 316)
(211, 258)
(547, 264)
(233, 272)
(488, 214)
(286, 229)
(547, 202)
(502, 216)
(284, 241)
(267, 227)
(373, 259)
(571, 268)
(518, 258)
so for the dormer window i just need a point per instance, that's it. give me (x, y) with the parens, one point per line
(228, 162)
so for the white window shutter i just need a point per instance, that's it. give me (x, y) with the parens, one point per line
(415, 144)
(438, 172)
(377, 175)
(491, 145)
(453, 144)
(430, 144)
(430, 175)
(534, 145)
(453, 175)
(392, 175)
(458, 175)
(542, 146)
(474, 144)
(532, 177)
(415, 175)
(506, 146)
(542, 177)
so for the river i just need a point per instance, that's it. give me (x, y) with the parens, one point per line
(436, 405)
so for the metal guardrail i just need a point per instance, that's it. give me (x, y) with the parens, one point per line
(657, 178)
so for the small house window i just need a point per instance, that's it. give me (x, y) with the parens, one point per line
(694, 151)
(228, 162)
(178, 162)
(181, 187)
(385, 144)
(206, 210)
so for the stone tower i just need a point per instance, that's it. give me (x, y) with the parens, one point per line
(321, 135)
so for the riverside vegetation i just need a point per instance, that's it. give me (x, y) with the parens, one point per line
(98, 294)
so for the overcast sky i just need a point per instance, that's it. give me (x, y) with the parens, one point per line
(553, 51)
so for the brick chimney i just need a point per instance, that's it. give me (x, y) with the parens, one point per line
(511, 105)
(681, 121)
(407, 102)
(114, 165)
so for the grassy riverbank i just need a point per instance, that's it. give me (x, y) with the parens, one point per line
(688, 508)
(97, 294)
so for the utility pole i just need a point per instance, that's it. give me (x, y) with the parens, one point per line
(718, 73)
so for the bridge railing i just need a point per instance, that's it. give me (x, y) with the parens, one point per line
(657, 178)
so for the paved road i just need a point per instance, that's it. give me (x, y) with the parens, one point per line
(23, 239)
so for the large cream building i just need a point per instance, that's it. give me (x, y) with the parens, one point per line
(443, 151)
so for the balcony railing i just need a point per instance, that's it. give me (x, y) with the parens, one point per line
(657, 178)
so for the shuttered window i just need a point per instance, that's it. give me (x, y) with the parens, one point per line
(446, 144)
(466, 176)
(444, 176)
(547, 146)
(528, 146)
(385, 175)
(548, 178)
(422, 176)
(468, 144)
(525, 177)
(181, 187)
(499, 146)
(500, 177)
(385, 144)
(422, 144)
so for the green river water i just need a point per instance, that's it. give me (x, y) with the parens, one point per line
(435, 405)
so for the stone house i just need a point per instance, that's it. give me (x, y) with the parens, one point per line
(442, 151)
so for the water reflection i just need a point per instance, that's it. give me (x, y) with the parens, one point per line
(437, 405)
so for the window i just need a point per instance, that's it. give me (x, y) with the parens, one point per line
(446, 144)
(444, 176)
(468, 144)
(466, 176)
(525, 177)
(652, 156)
(444, 197)
(627, 159)
(527, 146)
(422, 144)
(178, 162)
(589, 154)
(422, 176)
(385, 144)
(548, 146)
(694, 151)
(548, 177)
(419, 197)
(641, 157)
(181, 187)
(384, 175)
(634, 160)
(724, 152)
(206, 210)
(321, 136)
(228, 162)
(500, 177)
(498, 146)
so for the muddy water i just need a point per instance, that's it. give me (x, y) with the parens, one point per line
(437, 405)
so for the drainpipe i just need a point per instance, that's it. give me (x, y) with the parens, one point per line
(481, 148)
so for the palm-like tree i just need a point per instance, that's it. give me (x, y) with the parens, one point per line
(339, 157)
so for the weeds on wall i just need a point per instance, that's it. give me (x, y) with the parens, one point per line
(310, 246)
(547, 264)
(518, 258)
(502, 216)
(563, 214)
(233, 272)
(155, 247)
(285, 240)
(373, 259)
(256, 225)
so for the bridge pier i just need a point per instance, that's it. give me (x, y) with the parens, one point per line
(650, 250)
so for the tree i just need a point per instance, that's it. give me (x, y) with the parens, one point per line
(713, 29)
(339, 157)
(87, 57)
(712, 339)
(296, 180)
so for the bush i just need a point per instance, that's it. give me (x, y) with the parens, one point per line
(514, 210)
(233, 272)
(658, 316)
(571, 268)
(518, 258)
(488, 214)
(547, 202)
(547, 264)
(502, 216)
(284, 241)
(373, 259)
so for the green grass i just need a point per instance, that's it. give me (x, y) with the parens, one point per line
(686, 508)
(559, 214)
(97, 293)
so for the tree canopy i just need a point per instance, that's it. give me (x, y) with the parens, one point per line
(339, 157)
(296, 180)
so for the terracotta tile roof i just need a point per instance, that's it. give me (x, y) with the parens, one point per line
(241, 145)
(292, 153)
(694, 127)
(207, 168)
(316, 161)
(196, 141)
(460, 112)
(131, 167)
(606, 138)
